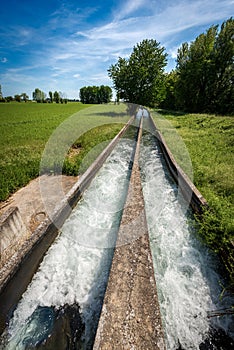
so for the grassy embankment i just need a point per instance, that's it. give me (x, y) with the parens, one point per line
(25, 129)
(209, 141)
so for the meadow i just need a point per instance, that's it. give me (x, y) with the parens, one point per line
(207, 156)
(26, 130)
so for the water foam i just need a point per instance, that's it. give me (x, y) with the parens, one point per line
(185, 271)
(76, 267)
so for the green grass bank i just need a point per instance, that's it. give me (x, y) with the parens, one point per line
(203, 146)
(27, 128)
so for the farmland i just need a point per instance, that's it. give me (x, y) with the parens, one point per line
(26, 128)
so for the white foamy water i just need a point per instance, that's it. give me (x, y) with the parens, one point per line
(187, 282)
(76, 267)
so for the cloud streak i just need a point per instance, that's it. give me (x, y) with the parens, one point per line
(71, 50)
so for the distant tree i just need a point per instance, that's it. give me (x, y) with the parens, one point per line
(51, 96)
(104, 94)
(17, 98)
(24, 97)
(56, 97)
(95, 94)
(39, 95)
(9, 98)
(1, 92)
(140, 79)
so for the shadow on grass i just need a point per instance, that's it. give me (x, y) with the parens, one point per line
(174, 113)
(111, 114)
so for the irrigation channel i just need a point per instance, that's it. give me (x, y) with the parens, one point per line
(68, 289)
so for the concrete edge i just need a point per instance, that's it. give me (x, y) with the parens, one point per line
(17, 273)
(190, 192)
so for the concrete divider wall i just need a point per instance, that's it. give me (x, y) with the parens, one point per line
(13, 232)
(188, 189)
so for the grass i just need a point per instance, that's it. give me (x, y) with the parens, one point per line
(203, 146)
(32, 134)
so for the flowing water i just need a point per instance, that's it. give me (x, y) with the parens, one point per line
(186, 273)
(76, 267)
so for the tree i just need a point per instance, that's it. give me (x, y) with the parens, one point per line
(17, 98)
(1, 92)
(140, 79)
(24, 97)
(194, 69)
(170, 80)
(56, 97)
(95, 94)
(9, 98)
(51, 96)
(205, 72)
(39, 95)
(222, 84)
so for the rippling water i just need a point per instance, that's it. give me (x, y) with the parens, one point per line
(186, 272)
(76, 267)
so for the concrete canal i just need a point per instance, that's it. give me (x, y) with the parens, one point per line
(73, 276)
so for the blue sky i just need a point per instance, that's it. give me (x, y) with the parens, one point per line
(64, 45)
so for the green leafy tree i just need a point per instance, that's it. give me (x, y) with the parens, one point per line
(222, 84)
(95, 94)
(51, 96)
(56, 97)
(170, 80)
(140, 79)
(205, 72)
(17, 98)
(194, 68)
(24, 97)
(38, 95)
(9, 98)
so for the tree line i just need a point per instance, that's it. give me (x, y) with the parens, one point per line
(201, 82)
(95, 94)
(38, 95)
(58, 97)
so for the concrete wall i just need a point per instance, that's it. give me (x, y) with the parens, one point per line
(12, 233)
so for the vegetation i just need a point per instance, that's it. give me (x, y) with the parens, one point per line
(209, 140)
(140, 78)
(204, 77)
(203, 80)
(26, 128)
(88, 146)
(95, 94)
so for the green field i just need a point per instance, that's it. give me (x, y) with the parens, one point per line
(203, 145)
(26, 130)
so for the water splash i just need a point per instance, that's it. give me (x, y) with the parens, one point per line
(185, 271)
(76, 267)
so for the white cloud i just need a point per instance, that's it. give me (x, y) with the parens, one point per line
(83, 56)
(129, 7)
(3, 59)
